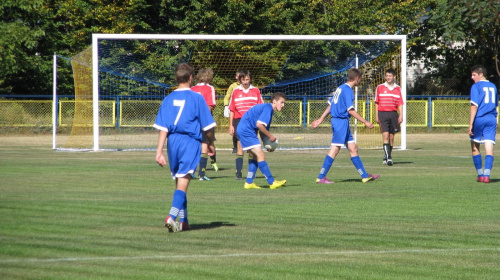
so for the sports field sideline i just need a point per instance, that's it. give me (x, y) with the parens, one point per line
(99, 215)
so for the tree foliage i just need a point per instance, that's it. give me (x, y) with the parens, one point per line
(32, 30)
(457, 35)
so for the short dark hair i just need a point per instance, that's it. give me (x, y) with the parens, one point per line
(353, 73)
(391, 71)
(479, 69)
(278, 95)
(183, 72)
(243, 74)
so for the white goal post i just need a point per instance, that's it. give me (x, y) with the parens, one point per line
(97, 37)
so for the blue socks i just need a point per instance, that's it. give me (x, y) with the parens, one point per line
(252, 169)
(183, 213)
(203, 165)
(488, 164)
(264, 168)
(478, 164)
(178, 201)
(239, 164)
(327, 163)
(359, 166)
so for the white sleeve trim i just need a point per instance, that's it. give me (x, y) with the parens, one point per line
(261, 122)
(208, 127)
(159, 127)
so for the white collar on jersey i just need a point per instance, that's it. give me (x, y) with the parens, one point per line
(389, 87)
(240, 87)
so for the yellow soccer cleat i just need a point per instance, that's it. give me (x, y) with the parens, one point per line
(277, 184)
(215, 167)
(251, 186)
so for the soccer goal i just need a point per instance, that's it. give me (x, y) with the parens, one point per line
(121, 80)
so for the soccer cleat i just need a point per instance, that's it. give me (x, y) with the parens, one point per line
(384, 161)
(389, 161)
(371, 177)
(185, 226)
(480, 179)
(204, 178)
(215, 167)
(193, 176)
(277, 184)
(172, 225)
(239, 176)
(486, 179)
(251, 186)
(324, 181)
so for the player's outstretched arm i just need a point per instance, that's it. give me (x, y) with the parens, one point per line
(356, 115)
(160, 158)
(317, 122)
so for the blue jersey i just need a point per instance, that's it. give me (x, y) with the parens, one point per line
(341, 102)
(260, 113)
(484, 95)
(184, 111)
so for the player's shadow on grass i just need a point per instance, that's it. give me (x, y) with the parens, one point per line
(210, 225)
(402, 162)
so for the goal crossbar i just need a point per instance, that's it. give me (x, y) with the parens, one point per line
(97, 36)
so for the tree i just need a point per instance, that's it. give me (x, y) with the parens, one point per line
(457, 35)
(32, 30)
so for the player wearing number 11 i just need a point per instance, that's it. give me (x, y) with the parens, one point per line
(182, 116)
(483, 121)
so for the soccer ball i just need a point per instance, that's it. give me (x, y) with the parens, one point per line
(270, 146)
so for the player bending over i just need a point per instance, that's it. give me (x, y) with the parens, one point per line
(182, 116)
(483, 121)
(258, 119)
(341, 107)
(244, 97)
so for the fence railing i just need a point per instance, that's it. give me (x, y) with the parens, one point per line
(422, 111)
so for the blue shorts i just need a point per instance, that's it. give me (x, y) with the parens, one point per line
(484, 129)
(184, 154)
(341, 132)
(248, 139)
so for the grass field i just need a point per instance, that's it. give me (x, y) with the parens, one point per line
(99, 215)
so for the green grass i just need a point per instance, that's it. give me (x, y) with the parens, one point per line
(95, 215)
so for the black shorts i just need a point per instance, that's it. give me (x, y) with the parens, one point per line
(235, 124)
(389, 122)
(205, 139)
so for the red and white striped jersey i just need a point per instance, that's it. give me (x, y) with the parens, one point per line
(207, 91)
(388, 98)
(244, 99)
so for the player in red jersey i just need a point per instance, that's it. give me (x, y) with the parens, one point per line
(388, 101)
(244, 97)
(203, 87)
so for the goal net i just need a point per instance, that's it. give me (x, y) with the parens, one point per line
(121, 80)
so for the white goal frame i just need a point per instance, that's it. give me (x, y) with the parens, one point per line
(95, 63)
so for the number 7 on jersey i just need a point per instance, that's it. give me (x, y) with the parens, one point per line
(179, 103)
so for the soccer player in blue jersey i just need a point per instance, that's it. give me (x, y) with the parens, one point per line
(182, 117)
(341, 107)
(483, 121)
(258, 120)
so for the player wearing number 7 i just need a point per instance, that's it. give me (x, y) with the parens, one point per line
(341, 107)
(182, 116)
(483, 121)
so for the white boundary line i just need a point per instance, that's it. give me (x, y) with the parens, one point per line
(409, 251)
